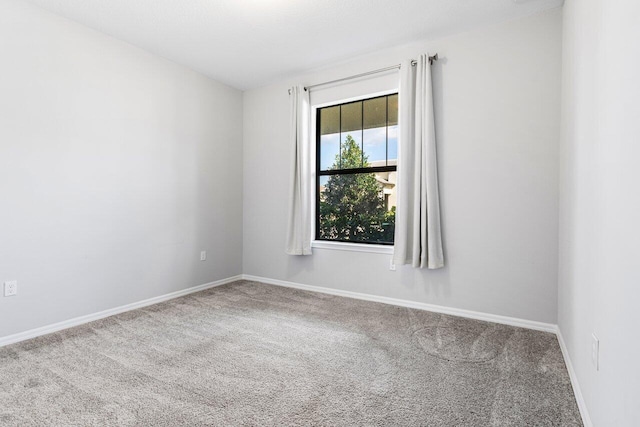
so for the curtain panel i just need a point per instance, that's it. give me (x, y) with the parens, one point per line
(418, 239)
(299, 213)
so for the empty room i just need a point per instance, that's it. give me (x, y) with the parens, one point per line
(319, 213)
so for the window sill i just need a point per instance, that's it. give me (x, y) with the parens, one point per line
(353, 247)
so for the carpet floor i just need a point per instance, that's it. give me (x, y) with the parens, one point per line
(254, 354)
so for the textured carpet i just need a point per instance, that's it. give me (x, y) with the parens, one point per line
(253, 354)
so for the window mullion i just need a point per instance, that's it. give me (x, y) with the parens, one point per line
(386, 138)
(362, 133)
(340, 140)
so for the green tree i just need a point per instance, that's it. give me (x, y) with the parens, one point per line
(352, 206)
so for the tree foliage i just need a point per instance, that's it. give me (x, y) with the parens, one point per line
(352, 206)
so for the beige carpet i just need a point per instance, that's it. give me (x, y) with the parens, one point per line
(253, 354)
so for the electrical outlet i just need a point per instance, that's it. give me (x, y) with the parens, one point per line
(10, 288)
(595, 351)
(203, 255)
(392, 265)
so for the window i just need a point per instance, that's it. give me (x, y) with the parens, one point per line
(356, 160)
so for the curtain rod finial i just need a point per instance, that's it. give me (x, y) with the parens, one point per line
(289, 90)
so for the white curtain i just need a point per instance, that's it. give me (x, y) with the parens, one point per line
(299, 227)
(418, 239)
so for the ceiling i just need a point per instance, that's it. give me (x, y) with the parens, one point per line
(249, 43)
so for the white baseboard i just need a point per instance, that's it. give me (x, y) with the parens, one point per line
(582, 406)
(33, 333)
(512, 321)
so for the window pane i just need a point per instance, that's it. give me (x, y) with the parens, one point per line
(358, 207)
(375, 113)
(393, 110)
(351, 156)
(330, 120)
(375, 131)
(393, 146)
(329, 150)
(375, 146)
(351, 117)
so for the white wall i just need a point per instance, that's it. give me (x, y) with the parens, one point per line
(116, 168)
(599, 274)
(497, 96)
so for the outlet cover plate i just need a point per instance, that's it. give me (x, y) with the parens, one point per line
(10, 288)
